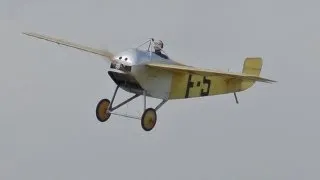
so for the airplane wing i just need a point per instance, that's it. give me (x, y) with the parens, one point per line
(205, 72)
(100, 52)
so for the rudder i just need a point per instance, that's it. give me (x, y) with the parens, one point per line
(252, 66)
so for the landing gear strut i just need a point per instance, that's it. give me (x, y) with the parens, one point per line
(148, 119)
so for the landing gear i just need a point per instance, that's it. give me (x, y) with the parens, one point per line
(102, 110)
(148, 119)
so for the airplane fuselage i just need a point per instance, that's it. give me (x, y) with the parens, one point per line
(131, 74)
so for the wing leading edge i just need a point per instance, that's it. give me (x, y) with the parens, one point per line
(205, 72)
(100, 52)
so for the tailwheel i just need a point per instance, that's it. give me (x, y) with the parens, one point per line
(149, 119)
(102, 110)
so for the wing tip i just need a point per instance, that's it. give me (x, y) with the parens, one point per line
(268, 80)
(33, 34)
(27, 33)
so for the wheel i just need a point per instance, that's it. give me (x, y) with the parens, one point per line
(149, 119)
(101, 110)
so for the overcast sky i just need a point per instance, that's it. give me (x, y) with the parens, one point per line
(48, 95)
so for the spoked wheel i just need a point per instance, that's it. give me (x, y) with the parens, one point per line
(101, 110)
(149, 119)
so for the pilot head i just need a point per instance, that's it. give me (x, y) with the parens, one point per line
(158, 45)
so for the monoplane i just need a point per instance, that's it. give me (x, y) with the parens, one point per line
(150, 72)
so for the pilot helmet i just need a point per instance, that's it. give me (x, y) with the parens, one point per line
(158, 45)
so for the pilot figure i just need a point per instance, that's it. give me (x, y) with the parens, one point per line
(158, 46)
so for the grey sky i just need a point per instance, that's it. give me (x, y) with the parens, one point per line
(48, 95)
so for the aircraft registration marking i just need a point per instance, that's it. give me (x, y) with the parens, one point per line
(197, 86)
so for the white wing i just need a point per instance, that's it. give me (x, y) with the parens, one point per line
(100, 52)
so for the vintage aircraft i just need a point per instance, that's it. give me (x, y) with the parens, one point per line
(153, 74)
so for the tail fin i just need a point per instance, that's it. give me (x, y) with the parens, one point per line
(251, 66)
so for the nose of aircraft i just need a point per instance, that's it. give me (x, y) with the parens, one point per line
(133, 57)
(124, 57)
